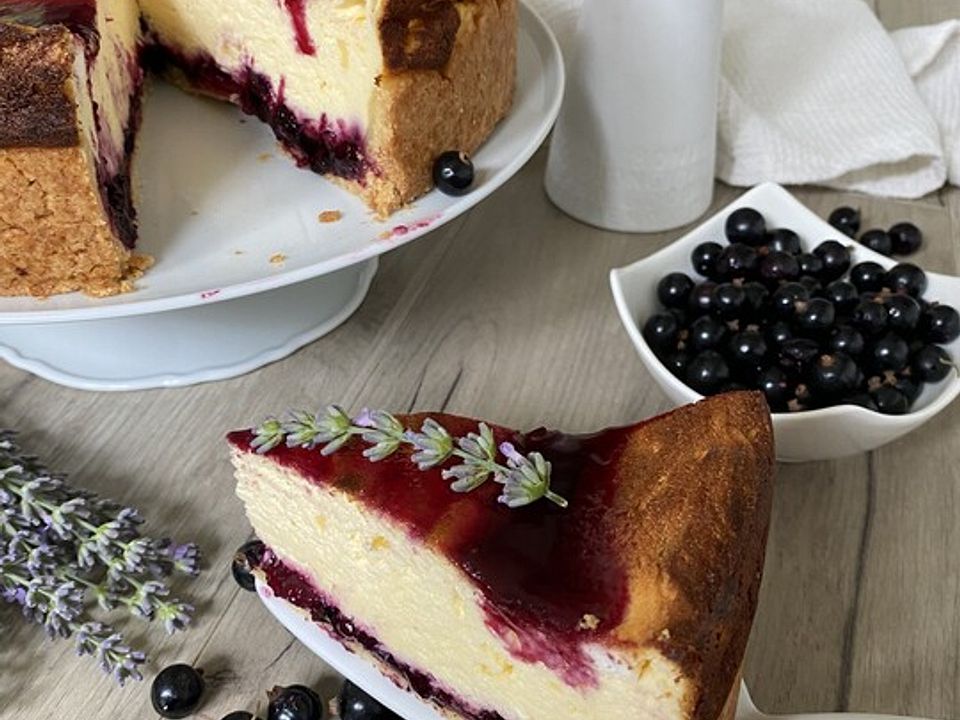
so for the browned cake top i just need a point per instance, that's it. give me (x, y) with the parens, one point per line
(36, 103)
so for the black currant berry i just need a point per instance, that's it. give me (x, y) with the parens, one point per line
(846, 220)
(907, 278)
(747, 226)
(674, 290)
(906, 238)
(878, 241)
(835, 257)
(176, 691)
(704, 258)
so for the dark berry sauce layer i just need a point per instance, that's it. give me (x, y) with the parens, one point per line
(116, 189)
(301, 32)
(324, 145)
(546, 573)
(295, 588)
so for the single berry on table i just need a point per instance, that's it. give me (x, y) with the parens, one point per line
(354, 704)
(706, 333)
(708, 372)
(784, 240)
(846, 220)
(835, 257)
(701, 298)
(868, 276)
(816, 315)
(779, 266)
(831, 377)
(906, 238)
(245, 559)
(889, 352)
(843, 295)
(674, 290)
(890, 401)
(784, 301)
(737, 261)
(776, 386)
(931, 364)
(846, 339)
(940, 324)
(907, 278)
(869, 317)
(810, 264)
(704, 258)
(295, 702)
(878, 241)
(453, 172)
(177, 690)
(903, 313)
(746, 225)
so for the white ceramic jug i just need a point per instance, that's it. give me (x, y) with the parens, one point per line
(635, 145)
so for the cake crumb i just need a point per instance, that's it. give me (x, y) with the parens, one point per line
(278, 259)
(379, 543)
(263, 157)
(588, 622)
(238, 252)
(330, 216)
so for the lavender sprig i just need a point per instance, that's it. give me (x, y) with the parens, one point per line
(525, 478)
(61, 547)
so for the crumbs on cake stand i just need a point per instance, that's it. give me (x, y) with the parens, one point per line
(330, 216)
(278, 258)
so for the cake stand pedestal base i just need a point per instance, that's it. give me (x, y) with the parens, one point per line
(194, 345)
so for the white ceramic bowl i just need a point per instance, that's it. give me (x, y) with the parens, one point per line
(816, 434)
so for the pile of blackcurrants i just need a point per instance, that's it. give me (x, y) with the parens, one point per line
(806, 328)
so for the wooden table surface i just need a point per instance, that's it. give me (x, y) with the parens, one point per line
(506, 314)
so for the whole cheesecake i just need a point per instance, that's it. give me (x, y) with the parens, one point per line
(367, 92)
(633, 596)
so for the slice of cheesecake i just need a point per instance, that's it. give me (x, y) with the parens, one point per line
(70, 90)
(632, 594)
(368, 92)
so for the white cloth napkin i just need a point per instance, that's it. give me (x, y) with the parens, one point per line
(816, 91)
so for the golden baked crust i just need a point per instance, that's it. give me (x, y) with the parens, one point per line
(54, 235)
(423, 113)
(696, 544)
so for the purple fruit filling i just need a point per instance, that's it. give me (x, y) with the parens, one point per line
(301, 33)
(290, 585)
(323, 145)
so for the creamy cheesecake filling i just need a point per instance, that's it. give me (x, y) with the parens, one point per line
(407, 593)
(285, 79)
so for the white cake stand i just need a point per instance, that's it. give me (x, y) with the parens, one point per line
(246, 273)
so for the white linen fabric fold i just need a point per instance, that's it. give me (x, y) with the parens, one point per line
(817, 91)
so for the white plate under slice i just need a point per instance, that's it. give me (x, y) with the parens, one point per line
(410, 706)
(245, 272)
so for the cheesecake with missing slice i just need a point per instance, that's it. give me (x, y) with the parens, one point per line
(365, 92)
(631, 594)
